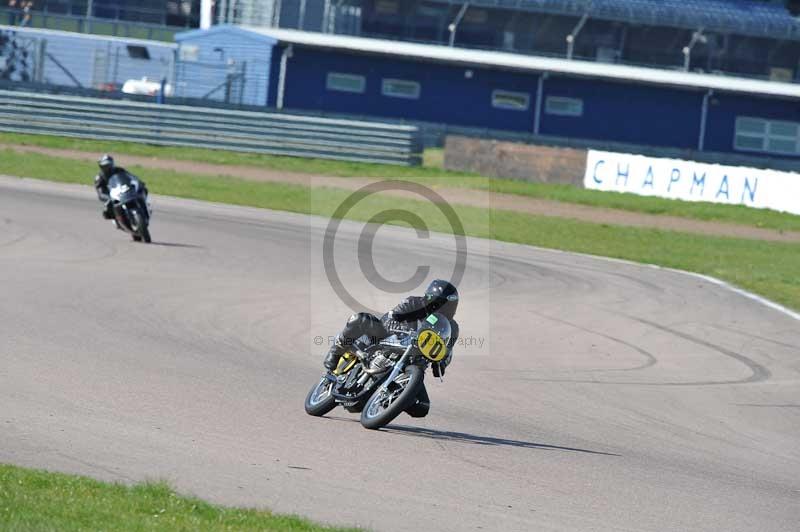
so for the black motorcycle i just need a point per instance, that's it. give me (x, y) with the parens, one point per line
(129, 204)
(382, 380)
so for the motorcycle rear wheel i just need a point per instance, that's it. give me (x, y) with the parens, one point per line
(385, 405)
(319, 400)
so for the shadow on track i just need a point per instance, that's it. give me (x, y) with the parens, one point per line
(462, 437)
(175, 245)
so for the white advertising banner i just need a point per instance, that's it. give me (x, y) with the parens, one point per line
(693, 181)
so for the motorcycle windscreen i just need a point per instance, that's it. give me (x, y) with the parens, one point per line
(123, 187)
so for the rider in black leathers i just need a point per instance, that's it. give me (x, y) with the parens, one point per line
(108, 169)
(440, 296)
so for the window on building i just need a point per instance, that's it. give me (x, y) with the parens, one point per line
(561, 106)
(476, 16)
(387, 7)
(337, 81)
(189, 52)
(515, 101)
(400, 88)
(772, 136)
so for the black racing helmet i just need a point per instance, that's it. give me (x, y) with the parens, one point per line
(442, 296)
(106, 164)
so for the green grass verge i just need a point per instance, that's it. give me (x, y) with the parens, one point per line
(769, 268)
(432, 173)
(39, 500)
(231, 158)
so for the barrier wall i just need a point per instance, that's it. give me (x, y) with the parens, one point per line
(692, 181)
(200, 127)
(543, 164)
(670, 178)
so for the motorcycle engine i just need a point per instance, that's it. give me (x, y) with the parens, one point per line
(380, 361)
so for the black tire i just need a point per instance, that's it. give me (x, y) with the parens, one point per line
(141, 233)
(146, 234)
(377, 413)
(316, 406)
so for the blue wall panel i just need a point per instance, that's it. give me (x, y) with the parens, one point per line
(724, 108)
(636, 114)
(209, 64)
(447, 95)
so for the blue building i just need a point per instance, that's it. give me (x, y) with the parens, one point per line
(527, 95)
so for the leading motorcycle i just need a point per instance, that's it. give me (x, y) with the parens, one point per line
(130, 207)
(382, 380)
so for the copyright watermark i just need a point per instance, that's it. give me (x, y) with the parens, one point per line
(366, 242)
(387, 240)
(462, 343)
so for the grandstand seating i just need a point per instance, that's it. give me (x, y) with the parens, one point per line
(748, 17)
(745, 37)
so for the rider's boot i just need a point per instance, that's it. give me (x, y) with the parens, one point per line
(334, 353)
(422, 404)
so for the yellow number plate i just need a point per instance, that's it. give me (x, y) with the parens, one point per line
(431, 346)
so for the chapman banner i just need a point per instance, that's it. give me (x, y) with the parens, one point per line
(692, 181)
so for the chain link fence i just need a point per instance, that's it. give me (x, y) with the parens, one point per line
(81, 61)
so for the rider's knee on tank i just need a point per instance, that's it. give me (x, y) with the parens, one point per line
(362, 318)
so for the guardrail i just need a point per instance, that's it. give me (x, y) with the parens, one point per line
(177, 125)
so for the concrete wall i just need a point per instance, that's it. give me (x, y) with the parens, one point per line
(543, 164)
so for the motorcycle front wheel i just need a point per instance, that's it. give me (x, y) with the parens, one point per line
(319, 400)
(386, 404)
(139, 227)
(146, 234)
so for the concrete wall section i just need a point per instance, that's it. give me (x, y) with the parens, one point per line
(543, 164)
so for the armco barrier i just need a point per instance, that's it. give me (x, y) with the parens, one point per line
(175, 125)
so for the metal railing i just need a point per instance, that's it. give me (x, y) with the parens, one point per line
(93, 25)
(176, 125)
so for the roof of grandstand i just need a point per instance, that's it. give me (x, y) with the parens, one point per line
(522, 62)
(746, 17)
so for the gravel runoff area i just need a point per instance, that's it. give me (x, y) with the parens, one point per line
(461, 196)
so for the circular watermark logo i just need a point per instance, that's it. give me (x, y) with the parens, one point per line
(366, 241)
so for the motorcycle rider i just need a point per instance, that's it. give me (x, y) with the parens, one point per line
(108, 169)
(441, 296)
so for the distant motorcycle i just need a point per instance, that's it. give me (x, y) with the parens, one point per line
(381, 381)
(130, 206)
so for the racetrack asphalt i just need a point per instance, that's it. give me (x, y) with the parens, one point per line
(605, 395)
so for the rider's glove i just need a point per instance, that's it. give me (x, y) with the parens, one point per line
(394, 326)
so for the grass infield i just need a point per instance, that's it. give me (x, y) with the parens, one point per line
(431, 173)
(38, 500)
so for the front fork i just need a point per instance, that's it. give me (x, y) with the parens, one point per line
(398, 368)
